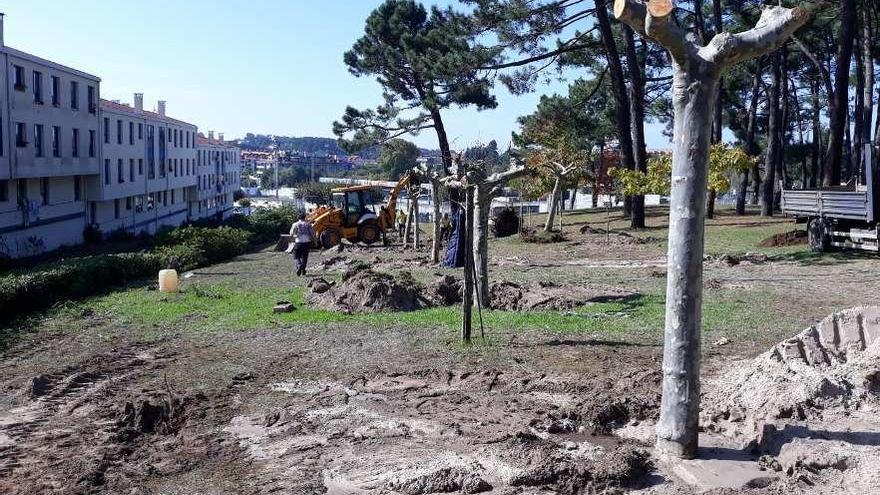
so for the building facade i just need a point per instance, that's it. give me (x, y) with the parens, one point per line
(219, 176)
(49, 150)
(71, 161)
(148, 164)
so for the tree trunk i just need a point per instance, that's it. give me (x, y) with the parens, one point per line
(816, 155)
(693, 93)
(415, 221)
(619, 89)
(552, 207)
(435, 204)
(637, 120)
(768, 195)
(868, 86)
(696, 72)
(574, 193)
(710, 203)
(718, 124)
(407, 229)
(482, 208)
(467, 296)
(839, 102)
(750, 146)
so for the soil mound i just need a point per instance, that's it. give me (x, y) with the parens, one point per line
(736, 259)
(792, 238)
(364, 291)
(829, 368)
(445, 291)
(540, 237)
(510, 296)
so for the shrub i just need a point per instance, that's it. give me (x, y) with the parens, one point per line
(183, 257)
(267, 224)
(92, 234)
(213, 245)
(39, 289)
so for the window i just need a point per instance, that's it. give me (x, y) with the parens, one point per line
(91, 143)
(44, 190)
(169, 135)
(106, 130)
(116, 209)
(56, 91)
(93, 212)
(77, 188)
(38, 88)
(21, 188)
(107, 171)
(4, 191)
(74, 147)
(118, 131)
(56, 141)
(140, 166)
(20, 135)
(131, 133)
(164, 198)
(93, 105)
(131, 170)
(38, 140)
(120, 175)
(74, 95)
(172, 196)
(128, 203)
(18, 78)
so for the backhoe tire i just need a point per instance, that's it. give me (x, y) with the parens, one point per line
(369, 233)
(819, 235)
(330, 238)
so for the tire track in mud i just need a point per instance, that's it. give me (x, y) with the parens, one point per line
(66, 420)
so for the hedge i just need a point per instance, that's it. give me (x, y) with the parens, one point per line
(183, 249)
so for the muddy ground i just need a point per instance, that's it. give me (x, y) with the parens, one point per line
(97, 401)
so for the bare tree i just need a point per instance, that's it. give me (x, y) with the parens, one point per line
(696, 72)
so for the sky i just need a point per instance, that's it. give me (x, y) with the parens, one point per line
(232, 66)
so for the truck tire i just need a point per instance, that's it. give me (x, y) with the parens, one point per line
(369, 233)
(330, 238)
(819, 236)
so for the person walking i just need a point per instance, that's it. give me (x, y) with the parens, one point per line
(302, 234)
(401, 222)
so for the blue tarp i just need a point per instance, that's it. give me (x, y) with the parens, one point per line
(454, 257)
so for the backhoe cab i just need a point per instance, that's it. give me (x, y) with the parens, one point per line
(352, 216)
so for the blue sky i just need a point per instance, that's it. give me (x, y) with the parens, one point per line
(263, 66)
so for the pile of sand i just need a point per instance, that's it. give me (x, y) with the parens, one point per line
(827, 370)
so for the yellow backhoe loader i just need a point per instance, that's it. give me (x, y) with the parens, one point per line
(351, 215)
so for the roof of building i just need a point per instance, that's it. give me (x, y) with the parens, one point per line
(203, 141)
(124, 108)
(49, 63)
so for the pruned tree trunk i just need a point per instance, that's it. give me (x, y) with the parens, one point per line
(637, 116)
(436, 204)
(552, 207)
(482, 208)
(696, 73)
(415, 221)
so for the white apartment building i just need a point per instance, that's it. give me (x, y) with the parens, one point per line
(49, 150)
(148, 163)
(71, 160)
(219, 175)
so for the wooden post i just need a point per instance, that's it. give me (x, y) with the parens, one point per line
(696, 72)
(468, 289)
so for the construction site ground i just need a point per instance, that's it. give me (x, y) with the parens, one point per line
(210, 392)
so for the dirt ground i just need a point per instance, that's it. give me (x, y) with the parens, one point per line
(105, 397)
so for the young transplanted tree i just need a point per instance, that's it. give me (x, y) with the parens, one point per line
(697, 70)
(424, 63)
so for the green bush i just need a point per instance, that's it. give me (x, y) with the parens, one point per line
(267, 224)
(82, 277)
(214, 245)
(183, 257)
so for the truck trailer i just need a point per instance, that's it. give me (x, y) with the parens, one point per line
(839, 217)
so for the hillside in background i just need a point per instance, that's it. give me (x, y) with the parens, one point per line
(309, 145)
